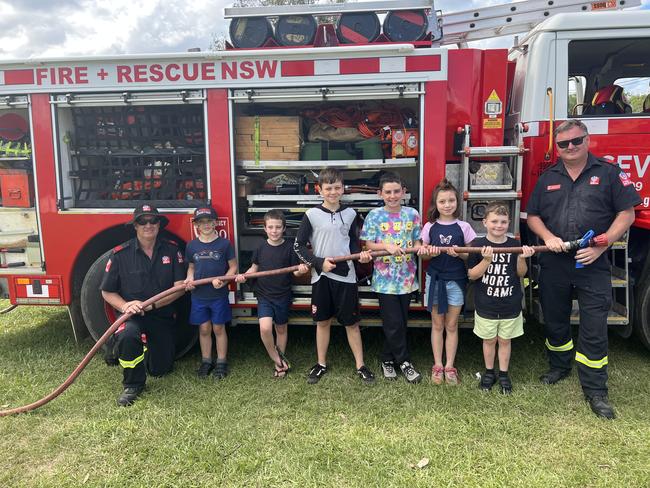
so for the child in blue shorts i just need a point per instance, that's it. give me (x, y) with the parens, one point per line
(274, 292)
(210, 255)
(446, 277)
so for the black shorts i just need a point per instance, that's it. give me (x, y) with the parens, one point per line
(331, 298)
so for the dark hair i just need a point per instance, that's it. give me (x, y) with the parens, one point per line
(329, 176)
(444, 185)
(497, 208)
(275, 214)
(570, 124)
(390, 177)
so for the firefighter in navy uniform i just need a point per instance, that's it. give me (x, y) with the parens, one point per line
(578, 194)
(136, 270)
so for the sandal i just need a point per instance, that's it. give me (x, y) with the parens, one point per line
(281, 370)
(437, 375)
(451, 376)
(283, 358)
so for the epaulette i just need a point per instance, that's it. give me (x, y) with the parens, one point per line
(118, 248)
(170, 241)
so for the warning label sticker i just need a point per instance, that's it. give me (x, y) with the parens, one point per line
(492, 123)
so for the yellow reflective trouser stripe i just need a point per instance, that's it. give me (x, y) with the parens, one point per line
(581, 358)
(134, 362)
(564, 347)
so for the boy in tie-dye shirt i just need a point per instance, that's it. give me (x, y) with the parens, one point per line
(393, 228)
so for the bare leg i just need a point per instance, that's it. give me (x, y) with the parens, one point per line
(222, 341)
(281, 336)
(451, 340)
(354, 339)
(266, 334)
(323, 340)
(437, 330)
(489, 352)
(205, 340)
(505, 347)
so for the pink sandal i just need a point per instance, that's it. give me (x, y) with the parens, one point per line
(437, 375)
(451, 376)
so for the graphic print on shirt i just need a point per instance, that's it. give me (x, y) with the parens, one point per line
(496, 278)
(214, 255)
(445, 239)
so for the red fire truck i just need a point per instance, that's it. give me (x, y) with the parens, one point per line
(84, 140)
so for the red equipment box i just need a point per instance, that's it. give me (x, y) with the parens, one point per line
(16, 188)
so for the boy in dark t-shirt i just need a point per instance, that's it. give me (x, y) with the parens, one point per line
(497, 294)
(210, 255)
(274, 292)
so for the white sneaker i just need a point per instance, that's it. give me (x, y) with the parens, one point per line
(388, 368)
(410, 373)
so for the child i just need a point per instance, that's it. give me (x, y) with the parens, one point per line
(210, 255)
(497, 294)
(446, 276)
(332, 231)
(274, 292)
(392, 228)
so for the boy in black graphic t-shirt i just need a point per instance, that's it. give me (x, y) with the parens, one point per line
(497, 294)
(274, 292)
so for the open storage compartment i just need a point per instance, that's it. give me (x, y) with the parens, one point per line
(117, 150)
(20, 250)
(284, 137)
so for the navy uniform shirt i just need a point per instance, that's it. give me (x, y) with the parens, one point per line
(134, 276)
(571, 208)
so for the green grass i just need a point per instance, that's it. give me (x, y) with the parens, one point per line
(251, 430)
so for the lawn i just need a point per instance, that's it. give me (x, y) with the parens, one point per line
(251, 430)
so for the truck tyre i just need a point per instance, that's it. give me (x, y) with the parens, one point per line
(642, 316)
(98, 315)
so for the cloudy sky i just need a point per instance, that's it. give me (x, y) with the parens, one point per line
(49, 28)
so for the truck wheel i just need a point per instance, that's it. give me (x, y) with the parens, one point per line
(642, 318)
(98, 315)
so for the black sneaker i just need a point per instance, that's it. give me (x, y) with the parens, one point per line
(410, 373)
(220, 371)
(388, 368)
(366, 375)
(316, 372)
(487, 381)
(506, 384)
(204, 369)
(129, 395)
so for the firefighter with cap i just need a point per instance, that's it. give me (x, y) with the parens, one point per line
(136, 270)
(577, 194)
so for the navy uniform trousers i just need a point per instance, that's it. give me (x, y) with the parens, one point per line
(559, 277)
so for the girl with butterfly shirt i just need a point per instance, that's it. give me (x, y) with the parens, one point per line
(446, 277)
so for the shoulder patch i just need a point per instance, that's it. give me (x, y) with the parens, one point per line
(120, 247)
(625, 179)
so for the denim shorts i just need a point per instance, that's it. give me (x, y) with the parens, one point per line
(216, 310)
(278, 310)
(455, 295)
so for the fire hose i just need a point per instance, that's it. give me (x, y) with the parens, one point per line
(586, 241)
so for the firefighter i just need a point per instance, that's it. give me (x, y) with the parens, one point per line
(135, 271)
(578, 194)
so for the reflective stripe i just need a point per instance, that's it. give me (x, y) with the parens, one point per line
(581, 358)
(565, 347)
(133, 363)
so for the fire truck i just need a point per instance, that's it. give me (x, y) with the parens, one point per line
(247, 129)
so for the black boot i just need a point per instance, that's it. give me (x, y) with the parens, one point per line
(553, 376)
(129, 395)
(601, 407)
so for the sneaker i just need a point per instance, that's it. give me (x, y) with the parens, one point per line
(366, 375)
(129, 395)
(410, 373)
(204, 369)
(487, 381)
(437, 375)
(388, 368)
(220, 371)
(506, 384)
(316, 372)
(451, 376)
